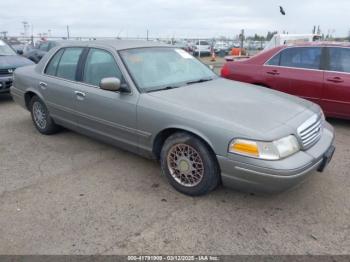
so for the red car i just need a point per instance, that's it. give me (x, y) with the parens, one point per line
(319, 72)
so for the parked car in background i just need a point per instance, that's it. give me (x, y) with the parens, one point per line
(201, 47)
(18, 48)
(23, 49)
(161, 102)
(222, 48)
(37, 52)
(319, 72)
(9, 61)
(182, 45)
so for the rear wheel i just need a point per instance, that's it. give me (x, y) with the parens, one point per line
(189, 164)
(41, 117)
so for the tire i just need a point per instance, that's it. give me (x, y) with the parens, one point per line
(41, 117)
(189, 165)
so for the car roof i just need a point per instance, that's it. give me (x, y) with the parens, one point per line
(319, 44)
(116, 44)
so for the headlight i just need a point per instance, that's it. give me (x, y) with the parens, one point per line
(265, 150)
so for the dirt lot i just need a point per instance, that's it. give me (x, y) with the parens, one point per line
(69, 194)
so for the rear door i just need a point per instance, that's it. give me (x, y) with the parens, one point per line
(274, 76)
(59, 83)
(108, 114)
(336, 95)
(297, 71)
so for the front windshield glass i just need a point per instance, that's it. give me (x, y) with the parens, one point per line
(5, 49)
(158, 67)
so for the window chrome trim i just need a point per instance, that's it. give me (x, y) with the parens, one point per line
(298, 68)
(337, 72)
(81, 82)
(291, 47)
(309, 69)
(52, 56)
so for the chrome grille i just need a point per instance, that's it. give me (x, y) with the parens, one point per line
(310, 132)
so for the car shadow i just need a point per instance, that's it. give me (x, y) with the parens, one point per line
(339, 122)
(5, 98)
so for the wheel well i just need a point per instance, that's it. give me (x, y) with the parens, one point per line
(164, 134)
(261, 84)
(27, 97)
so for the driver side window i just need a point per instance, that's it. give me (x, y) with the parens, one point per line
(100, 64)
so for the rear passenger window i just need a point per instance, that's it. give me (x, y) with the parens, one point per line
(274, 61)
(69, 62)
(51, 68)
(100, 64)
(301, 57)
(339, 59)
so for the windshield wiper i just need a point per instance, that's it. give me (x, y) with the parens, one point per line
(163, 88)
(199, 81)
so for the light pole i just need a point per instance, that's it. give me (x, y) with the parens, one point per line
(25, 28)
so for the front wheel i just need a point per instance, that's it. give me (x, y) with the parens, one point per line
(189, 165)
(41, 117)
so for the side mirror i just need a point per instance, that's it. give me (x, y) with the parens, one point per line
(114, 84)
(110, 84)
(20, 52)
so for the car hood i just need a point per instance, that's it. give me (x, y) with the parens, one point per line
(13, 61)
(236, 105)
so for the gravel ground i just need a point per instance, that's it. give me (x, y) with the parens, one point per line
(70, 194)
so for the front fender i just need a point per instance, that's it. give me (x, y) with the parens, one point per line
(186, 129)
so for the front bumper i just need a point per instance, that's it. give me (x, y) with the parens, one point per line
(277, 176)
(5, 83)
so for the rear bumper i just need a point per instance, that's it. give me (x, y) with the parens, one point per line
(18, 96)
(255, 178)
(5, 83)
(204, 52)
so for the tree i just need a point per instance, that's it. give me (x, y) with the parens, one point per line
(256, 37)
(270, 35)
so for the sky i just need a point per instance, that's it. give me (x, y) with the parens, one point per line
(179, 19)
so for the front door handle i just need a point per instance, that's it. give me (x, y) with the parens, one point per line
(80, 95)
(42, 85)
(335, 79)
(273, 72)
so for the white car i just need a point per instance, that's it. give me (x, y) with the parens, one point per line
(201, 48)
(221, 46)
(284, 39)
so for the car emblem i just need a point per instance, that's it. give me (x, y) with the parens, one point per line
(10, 71)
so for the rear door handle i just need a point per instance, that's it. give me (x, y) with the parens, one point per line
(335, 80)
(42, 85)
(273, 72)
(80, 95)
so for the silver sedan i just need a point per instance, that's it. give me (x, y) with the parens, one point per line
(160, 102)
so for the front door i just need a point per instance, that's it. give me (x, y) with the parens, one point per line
(297, 71)
(59, 83)
(108, 114)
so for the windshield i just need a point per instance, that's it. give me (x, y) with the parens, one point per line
(159, 67)
(5, 49)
